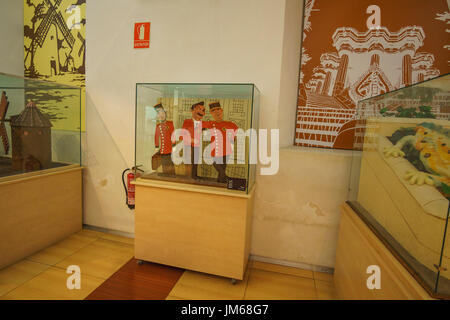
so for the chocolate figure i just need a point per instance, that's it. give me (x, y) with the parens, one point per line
(222, 136)
(195, 126)
(4, 103)
(163, 140)
(31, 140)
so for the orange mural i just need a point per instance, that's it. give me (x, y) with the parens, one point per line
(357, 49)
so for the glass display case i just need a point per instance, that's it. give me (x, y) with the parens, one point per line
(400, 176)
(39, 125)
(200, 134)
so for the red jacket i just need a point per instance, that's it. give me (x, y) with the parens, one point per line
(221, 142)
(194, 139)
(163, 137)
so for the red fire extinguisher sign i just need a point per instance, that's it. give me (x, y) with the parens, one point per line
(142, 35)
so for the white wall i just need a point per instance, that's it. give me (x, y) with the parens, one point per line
(296, 216)
(191, 41)
(296, 211)
(11, 37)
(290, 68)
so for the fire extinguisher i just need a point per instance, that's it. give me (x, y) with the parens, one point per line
(129, 187)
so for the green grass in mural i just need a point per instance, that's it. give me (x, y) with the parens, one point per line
(61, 105)
(400, 112)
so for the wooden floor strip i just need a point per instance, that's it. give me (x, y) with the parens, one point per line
(149, 281)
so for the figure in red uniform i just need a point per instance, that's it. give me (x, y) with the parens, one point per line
(222, 136)
(195, 126)
(163, 141)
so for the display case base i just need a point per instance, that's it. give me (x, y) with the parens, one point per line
(210, 182)
(358, 248)
(38, 209)
(6, 167)
(198, 228)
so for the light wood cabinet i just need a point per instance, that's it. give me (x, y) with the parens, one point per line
(199, 228)
(38, 209)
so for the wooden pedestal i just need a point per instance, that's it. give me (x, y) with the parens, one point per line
(38, 209)
(358, 248)
(199, 228)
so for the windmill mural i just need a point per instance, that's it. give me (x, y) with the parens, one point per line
(82, 51)
(54, 50)
(51, 18)
(3, 133)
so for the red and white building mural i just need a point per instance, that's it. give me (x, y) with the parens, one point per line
(361, 64)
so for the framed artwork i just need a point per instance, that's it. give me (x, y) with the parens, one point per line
(356, 49)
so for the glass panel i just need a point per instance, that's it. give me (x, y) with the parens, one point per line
(39, 125)
(400, 175)
(254, 142)
(220, 160)
(443, 287)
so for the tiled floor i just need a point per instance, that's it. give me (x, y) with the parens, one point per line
(99, 255)
(262, 281)
(43, 276)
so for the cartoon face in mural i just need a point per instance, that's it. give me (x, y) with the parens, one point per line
(368, 54)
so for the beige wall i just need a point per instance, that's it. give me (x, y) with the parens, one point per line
(11, 37)
(296, 215)
(290, 67)
(296, 212)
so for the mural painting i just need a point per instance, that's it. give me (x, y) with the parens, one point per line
(55, 50)
(351, 55)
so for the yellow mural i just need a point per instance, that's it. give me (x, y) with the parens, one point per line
(55, 50)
